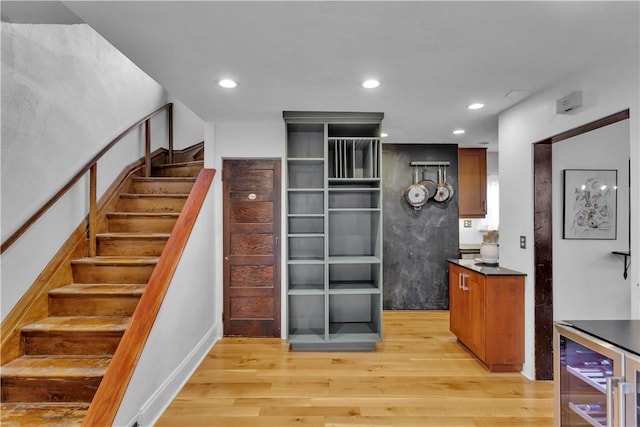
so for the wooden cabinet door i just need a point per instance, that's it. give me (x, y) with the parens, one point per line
(457, 303)
(474, 287)
(472, 182)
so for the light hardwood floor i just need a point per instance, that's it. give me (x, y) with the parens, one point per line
(419, 376)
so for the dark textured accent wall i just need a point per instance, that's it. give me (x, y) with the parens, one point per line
(417, 243)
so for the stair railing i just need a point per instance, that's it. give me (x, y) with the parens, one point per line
(92, 168)
(108, 398)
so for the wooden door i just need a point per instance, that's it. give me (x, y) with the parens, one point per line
(251, 247)
(475, 290)
(457, 303)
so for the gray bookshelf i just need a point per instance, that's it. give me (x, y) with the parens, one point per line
(334, 230)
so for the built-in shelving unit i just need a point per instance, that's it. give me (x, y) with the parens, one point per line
(334, 230)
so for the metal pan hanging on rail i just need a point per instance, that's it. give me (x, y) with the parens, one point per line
(442, 195)
(429, 184)
(446, 184)
(416, 194)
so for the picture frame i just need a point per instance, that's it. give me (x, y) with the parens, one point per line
(590, 204)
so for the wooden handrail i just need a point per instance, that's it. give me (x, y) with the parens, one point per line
(89, 166)
(106, 402)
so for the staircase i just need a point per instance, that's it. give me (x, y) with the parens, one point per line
(65, 355)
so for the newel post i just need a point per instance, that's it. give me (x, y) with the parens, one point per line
(93, 173)
(170, 131)
(147, 148)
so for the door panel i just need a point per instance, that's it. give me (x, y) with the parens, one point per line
(252, 244)
(252, 180)
(251, 248)
(457, 304)
(251, 276)
(476, 309)
(251, 212)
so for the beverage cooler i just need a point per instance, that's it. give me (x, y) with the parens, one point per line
(597, 373)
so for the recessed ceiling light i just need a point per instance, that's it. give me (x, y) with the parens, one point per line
(458, 131)
(383, 135)
(227, 83)
(370, 84)
(475, 106)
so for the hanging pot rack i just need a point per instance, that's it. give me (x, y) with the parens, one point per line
(417, 194)
(429, 163)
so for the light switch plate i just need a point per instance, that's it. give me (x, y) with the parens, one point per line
(467, 223)
(523, 242)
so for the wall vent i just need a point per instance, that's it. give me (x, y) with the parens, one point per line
(569, 103)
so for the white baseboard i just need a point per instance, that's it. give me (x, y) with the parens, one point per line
(153, 408)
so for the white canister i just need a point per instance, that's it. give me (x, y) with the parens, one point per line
(489, 251)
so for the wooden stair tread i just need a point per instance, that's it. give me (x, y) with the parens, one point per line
(116, 260)
(99, 289)
(154, 195)
(68, 414)
(79, 324)
(131, 235)
(164, 178)
(56, 367)
(179, 164)
(144, 214)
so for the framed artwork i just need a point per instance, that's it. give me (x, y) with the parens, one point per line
(590, 204)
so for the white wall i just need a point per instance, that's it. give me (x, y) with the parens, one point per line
(587, 277)
(245, 140)
(607, 88)
(66, 92)
(184, 331)
(188, 128)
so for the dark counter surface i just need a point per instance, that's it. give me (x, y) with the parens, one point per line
(624, 334)
(486, 269)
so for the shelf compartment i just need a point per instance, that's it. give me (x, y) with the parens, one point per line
(305, 224)
(306, 318)
(354, 260)
(353, 288)
(306, 247)
(354, 278)
(305, 261)
(308, 202)
(346, 184)
(354, 233)
(354, 158)
(306, 174)
(354, 198)
(306, 278)
(305, 140)
(596, 415)
(354, 331)
(360, 130)
(354, 317)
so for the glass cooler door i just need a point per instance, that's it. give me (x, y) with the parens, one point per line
(585, 376)
(633, 397)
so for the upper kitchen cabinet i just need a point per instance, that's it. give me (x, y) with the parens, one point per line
(472, 182)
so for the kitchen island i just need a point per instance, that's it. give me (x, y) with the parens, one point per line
(487, 312)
